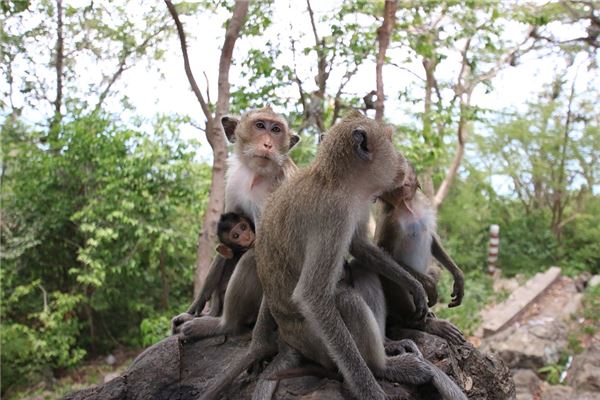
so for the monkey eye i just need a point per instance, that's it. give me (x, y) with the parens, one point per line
(243, 227)
(260, 125)
(235, 236)
(276, 129)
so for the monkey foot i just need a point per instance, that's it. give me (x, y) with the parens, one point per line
(178, 321)
(444, 329)
(407, 368)
(201, 327)
(397, 347)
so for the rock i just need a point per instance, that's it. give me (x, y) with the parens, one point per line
(594, 281)
(585, 371)
(533, 345)
(174, 370)
(110, 376)
(527, 384)
(557, 392)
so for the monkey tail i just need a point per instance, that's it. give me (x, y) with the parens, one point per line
(446, 386)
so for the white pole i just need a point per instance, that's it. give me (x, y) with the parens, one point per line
(493, 248)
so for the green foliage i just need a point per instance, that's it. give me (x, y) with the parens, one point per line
(42, 339)
(104, 220)
(552, 373)
(591, 304)
(154, 329)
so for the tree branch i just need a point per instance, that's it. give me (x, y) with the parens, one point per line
(383, 38)
(186, 62)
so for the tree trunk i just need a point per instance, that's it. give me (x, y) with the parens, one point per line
(383, 38)
(444, 188)
(214, 134)
(59, 61)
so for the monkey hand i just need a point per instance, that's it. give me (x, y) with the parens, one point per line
(416, 290)
(431, 289)
(178, 321)
(458, 291)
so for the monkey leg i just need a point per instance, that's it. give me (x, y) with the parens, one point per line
(266, 386)
(404, 368)
(241, 305)
(210, 286)
(262, 346)
(368, 285)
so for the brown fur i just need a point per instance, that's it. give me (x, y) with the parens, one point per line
(258, 165)
(324, 319)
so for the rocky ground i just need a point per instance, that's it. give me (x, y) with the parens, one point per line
(550, 340)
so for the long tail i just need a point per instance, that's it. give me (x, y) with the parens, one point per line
(231, 373)
(446, 386)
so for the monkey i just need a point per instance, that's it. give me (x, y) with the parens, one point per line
(406, 231)
(258, 164)
(236, 234)
(312, 222)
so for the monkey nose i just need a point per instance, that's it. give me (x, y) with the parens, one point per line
(268, 145)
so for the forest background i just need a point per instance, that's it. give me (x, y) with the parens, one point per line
(109, 186)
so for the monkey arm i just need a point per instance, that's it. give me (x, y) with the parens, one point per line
(458, 291)
(263, 345)
(429, 285)
(215, 272)
(211, 283)
(315, 295)
(382, 263)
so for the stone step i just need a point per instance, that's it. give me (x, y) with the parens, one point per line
(500, 316)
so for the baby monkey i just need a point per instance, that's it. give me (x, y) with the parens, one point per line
(236, 234)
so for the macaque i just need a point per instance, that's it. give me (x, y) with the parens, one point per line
(257, 166)
(236, 234)
(406, 230)
(312, 222)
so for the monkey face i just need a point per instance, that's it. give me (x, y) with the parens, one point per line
(262, 138)
(241, 235)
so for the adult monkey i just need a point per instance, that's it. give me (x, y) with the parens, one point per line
(257, 166)
(312, 222)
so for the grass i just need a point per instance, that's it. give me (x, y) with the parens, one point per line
(89, 374)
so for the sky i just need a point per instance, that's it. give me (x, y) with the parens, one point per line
(163, 87)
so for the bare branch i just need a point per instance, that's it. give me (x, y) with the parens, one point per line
(207, 87)
(59, 62)
(383, 38)
(312, 23)
(186, 62)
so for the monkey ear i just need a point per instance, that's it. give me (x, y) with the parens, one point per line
(353, 114)
(229, 125)
(294, 139)
(360, 140)
(418, 184)
(225, 251)
(321, 137)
